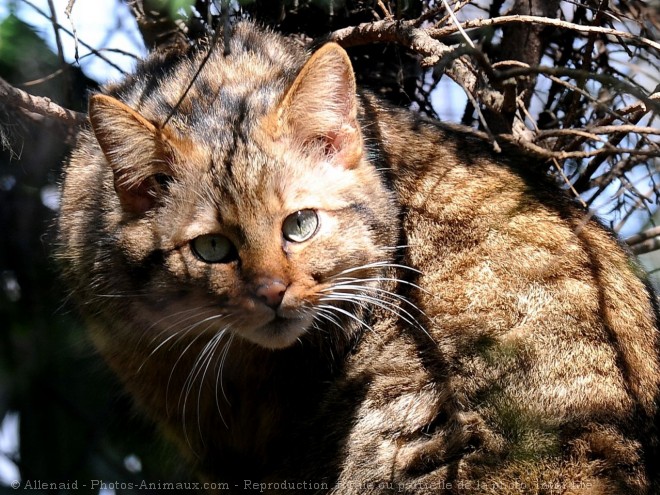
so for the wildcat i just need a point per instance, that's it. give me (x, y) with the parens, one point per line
(308, 289)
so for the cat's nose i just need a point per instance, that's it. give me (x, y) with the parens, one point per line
(271, 292)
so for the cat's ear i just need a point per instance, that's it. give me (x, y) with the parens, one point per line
(320, 107)
(135, 149)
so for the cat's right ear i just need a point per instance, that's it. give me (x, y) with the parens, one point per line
(135, 149)
(319, 110)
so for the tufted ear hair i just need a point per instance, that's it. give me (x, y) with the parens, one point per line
(138, 152)
(320, 107)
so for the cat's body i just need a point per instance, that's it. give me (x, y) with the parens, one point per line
(302, 285)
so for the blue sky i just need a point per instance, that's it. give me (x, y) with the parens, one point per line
(103, 24)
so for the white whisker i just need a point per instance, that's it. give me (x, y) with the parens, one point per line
(190, 344)
(377, 265)
(330, 307)
(348, 280)
(207, 355)
(204, 356)
(389, 294)
(327, 316)
(386, 305)
(179, 333)
(219, 380)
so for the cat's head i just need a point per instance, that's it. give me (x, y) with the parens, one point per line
(264, 221)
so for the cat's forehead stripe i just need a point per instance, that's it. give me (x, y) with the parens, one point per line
(225, 89)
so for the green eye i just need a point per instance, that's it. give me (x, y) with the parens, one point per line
(213, 248)
(300, 226)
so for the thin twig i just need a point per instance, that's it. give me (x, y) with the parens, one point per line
(566, 155)
(608, 81)
(56, 32)
(457, 24)
(629, 190)
(67, 12)
(646, 246)
(560, 170)
(386, 11)
(630, 115)
(89, 47)
(592, 132)
(443, 32)
(212, 47)
(41, 80)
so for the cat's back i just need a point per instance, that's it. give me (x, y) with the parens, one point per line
(541, 346)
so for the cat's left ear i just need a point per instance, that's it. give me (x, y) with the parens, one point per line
(320, 107)
(138, 152)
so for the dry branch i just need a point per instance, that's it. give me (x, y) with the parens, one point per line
(19, 99)
(393, 31)
(59, 27)
(643, 236)
(406, 33)
(439, 33)
(645, 242)
(593, 132)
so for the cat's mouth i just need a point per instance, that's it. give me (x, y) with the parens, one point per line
(282, 330)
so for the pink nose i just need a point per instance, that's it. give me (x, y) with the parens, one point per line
(271, 292)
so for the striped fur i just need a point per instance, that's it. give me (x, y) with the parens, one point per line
(451, 324)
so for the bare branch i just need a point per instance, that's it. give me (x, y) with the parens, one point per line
(439, 33)
(402, 32)
(460, 68)
(592, 132)
(607, 80)
(645, 242)
(158, 29)
(646, 246)
(16, 98)
(643, 236)
(89, 47)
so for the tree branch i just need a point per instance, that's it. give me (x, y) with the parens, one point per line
(439, 33)
(645, 242)
(17, 98)
(460, 69)
(606, 80)
(592, 132)
(97, 53)
(158, 29)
